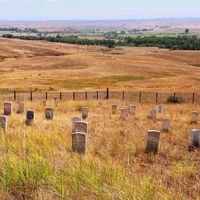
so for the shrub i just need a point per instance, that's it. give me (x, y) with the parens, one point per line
(173, 99)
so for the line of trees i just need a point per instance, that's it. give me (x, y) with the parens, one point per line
(67, 39)
(176, 43)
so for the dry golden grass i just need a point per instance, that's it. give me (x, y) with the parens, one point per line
(37, 162)
(41, 65)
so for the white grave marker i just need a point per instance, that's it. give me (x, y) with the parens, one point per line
(114, 109)
(30, 116)
(7, 108)
(21, 107)
(153, 113)
(194, 117)
(3, 122)
(49, 113)
(160, 109)
(84, 112)
(152, 142)
(195, 137)
(166, 125)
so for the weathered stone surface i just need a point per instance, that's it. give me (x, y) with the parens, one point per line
(131, 109)
(81, 126)
(21, 107)
(79, 142)
(195, 137)
(114, 109)
(74, 120)
(153, 113)
(49, 113)
(3, 122)
(166, 125)
(194, 117)
(123, 113)
(30, 116)
(160, 109)
(7, 108)
(152, 142)
(85, 111)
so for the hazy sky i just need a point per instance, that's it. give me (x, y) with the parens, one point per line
(97, 9)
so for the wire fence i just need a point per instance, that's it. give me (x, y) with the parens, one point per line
(140, 97)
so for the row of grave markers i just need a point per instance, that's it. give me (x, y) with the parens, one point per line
(80, 126)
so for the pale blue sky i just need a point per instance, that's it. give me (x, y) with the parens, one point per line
(97, 9)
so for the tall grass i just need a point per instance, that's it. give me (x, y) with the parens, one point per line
(36, 162)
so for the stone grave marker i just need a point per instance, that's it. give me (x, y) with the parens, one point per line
(74, 120)
(153, 113)
(114, 109)
(131, 109)
(123, 114)
(49, 113)
(84, 112)
(7, 108)
(160, 109)
(152, 142)
(3, 122)
(195, 138)
(81, 126)
(30, 116)
(166, 125)
(194, 117)
(21, 107)
(79, 142)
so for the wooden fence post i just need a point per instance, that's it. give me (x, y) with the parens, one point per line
(97, 94)
(31, 95)
(107, 96)
(140, 97)
(46, 96)
(123, 95)
(156, 97)
(86, 97)
(60, 96)
(14, 95)
(193, 97)
(74, 96)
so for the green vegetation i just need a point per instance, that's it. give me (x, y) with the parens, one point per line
(168, 42)
(179, 43)
(67, 39)
(196, 65)
(175, 99)
(96, 82)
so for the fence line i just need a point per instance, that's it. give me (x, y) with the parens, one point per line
(141, 97)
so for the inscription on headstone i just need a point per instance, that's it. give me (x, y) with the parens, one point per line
(7, 108)
(152, 142)
(79, 142)
(194, 117)
(84, 112)
(74, 120)
(49, 113)
(114, 109)
(81, 126)
(3, 122)
(30, 116)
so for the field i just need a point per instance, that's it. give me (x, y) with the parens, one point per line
(41, 65)
(37, 161)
